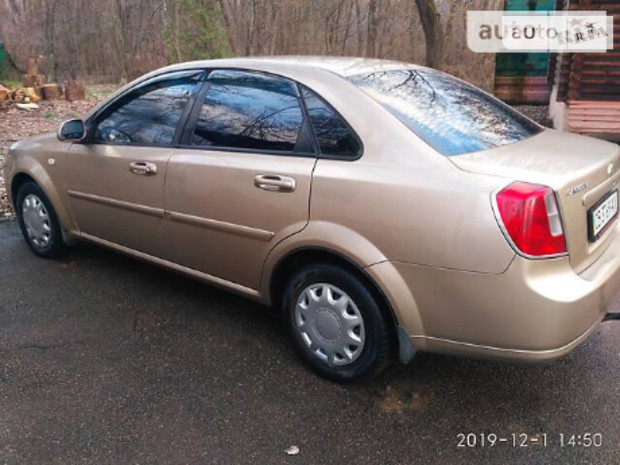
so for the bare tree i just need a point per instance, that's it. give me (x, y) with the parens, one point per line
(432, 31)
(371, 36)
(116, 40)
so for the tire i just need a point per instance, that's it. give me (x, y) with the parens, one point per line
(38, 222)
(317, 328)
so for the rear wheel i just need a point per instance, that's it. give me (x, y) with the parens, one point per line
(336, 325)
(38, 222)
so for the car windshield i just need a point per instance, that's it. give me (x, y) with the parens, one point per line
(450, 115)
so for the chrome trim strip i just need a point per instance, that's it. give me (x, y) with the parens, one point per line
(238, 288)
(245, 231)
(134, 207)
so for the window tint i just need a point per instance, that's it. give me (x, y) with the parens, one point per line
(333, 134)
(450, 115)
(249, 110)
(148, 116)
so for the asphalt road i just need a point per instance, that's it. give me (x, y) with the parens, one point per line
(108, 360)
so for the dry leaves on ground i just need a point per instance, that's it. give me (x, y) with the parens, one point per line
(17, 124)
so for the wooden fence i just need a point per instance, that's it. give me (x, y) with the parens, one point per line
(589, 83)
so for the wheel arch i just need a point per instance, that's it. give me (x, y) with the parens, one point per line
(307, 255)
(17, 182)
(41, 179)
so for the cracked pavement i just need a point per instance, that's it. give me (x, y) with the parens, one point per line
(105, 359)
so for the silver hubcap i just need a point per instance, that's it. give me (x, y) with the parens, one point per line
(330, 324)
(37, 221)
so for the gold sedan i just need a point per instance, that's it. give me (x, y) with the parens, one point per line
(383, 207)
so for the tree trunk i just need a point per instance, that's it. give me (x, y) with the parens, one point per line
(176, 40)
(33, 68)
(431, 25)
(358, 16)
(249, 42)
(371, 36)
(230, 18)
(50, 23)
(33, 80)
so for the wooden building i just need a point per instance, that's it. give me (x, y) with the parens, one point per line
(588, 84)
(582, 89)
(525, 78)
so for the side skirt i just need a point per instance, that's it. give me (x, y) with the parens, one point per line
(199, 275)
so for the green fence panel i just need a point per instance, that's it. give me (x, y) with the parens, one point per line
(524, 64)
(529, 5)
(3, 72)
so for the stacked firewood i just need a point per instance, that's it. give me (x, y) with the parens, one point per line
(36, 88)
(5, 94)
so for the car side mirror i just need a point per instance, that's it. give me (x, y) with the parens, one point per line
(73, 129)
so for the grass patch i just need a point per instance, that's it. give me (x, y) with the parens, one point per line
(11, 85)
(99, 92)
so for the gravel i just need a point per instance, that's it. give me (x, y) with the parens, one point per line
(539, 113)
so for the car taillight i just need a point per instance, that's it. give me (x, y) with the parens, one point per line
(531, 217)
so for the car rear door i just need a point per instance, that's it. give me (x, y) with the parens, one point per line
(116, 177)
(241, 181)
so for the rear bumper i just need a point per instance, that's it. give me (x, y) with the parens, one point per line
(464, 349)
(534, 311)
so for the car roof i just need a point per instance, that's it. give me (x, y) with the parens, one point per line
(343, 66)
(301, 68)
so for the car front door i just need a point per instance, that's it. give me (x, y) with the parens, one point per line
(240, 183)
(116, 176)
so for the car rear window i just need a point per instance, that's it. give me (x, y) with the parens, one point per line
(450, 115)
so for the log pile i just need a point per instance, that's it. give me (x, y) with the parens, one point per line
(36, 88)
(5, 94)
(19, 95)
(32, 82)
(26, 95)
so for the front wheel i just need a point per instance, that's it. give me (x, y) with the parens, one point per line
(336, 325)
(38, 222)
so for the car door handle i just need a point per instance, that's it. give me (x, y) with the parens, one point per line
(272, 182)
(143, 168)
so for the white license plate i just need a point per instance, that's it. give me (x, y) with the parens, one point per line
(601, 215)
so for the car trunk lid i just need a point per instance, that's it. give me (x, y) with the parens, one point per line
(581, 170)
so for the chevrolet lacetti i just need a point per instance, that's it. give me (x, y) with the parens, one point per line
(384, 208)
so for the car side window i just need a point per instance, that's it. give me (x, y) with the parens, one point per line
(249, 110)
(333, 134)
(147, 116)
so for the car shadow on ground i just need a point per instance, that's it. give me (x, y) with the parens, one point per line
(416, 387)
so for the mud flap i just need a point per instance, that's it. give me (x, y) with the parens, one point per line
(406, 351)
